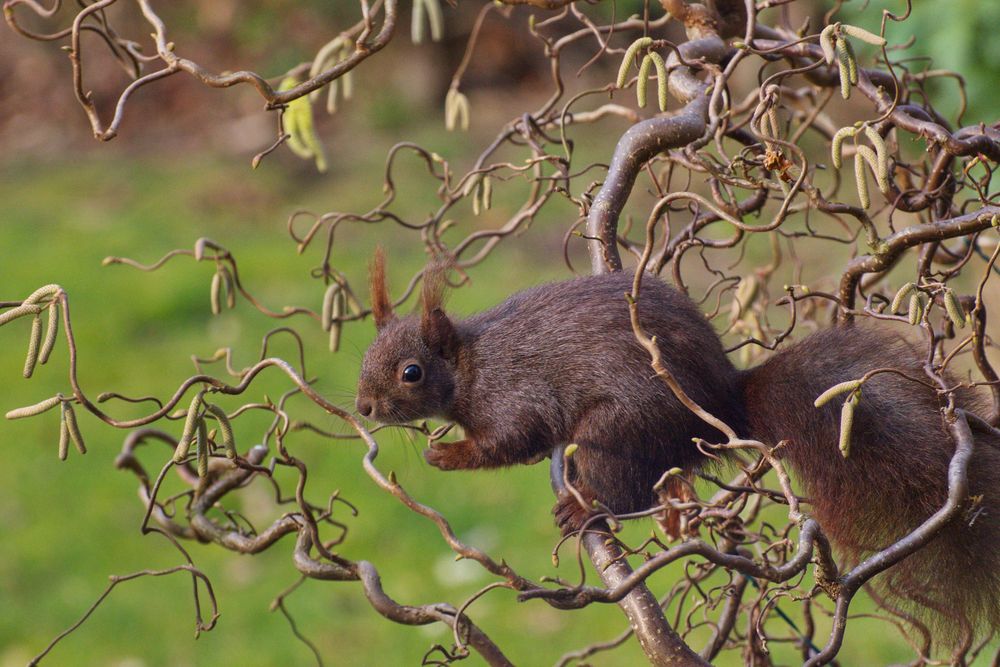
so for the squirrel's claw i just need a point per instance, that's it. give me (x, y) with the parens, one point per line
(570, 515)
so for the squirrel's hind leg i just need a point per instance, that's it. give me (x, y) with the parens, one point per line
(598, 489)
(570, 513)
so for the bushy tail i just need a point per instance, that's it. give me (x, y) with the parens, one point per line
(895, 476)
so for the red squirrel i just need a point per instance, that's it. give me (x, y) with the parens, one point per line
(559, 363)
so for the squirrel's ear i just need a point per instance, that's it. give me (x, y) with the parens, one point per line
(437, 330)
(381, 302)
(439, 333)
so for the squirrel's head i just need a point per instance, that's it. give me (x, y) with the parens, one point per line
(409, 371)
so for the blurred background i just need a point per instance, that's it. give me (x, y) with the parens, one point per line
(180, 170)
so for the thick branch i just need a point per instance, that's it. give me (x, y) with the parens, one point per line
(662, 645)
(644, 141)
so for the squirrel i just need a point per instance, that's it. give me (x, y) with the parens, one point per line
(559, 363)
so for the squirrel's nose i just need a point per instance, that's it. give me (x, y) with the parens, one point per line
(364, 406)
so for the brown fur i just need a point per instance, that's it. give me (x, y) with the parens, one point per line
(559, 364)
(896, 474)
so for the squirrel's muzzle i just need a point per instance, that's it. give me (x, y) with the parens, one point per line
(364, 406)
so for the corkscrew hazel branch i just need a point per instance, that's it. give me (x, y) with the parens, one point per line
(914, 235)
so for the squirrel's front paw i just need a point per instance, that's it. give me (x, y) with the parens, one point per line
(451, 455)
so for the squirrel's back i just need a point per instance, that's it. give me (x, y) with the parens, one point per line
(896, 474)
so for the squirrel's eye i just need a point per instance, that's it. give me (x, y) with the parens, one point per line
(412, 373)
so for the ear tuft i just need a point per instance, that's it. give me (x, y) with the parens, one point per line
(435, 281)
(439, 333)
(381, 301)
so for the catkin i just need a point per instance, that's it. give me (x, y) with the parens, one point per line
(63, 436)
(190, 422)
(336, 325)
(844, 64)
(74, 429)
(417, 22)
(633, 49)
(36, 409)
(326, 314)
(916, 309)
(837, 144)
(862, 181)
(661, 79)
(846, 422)
(34, 342)
(878, 142)
(201, 449)
(225, 428)
(862, 34)
(954, 309)
(50, 333)
(215, 293)
(643, 82)
(462, 110)
(435, 19)
(826, 42)
(836, 390)
(852, 63)
(348, 79)
(897, 301)
(879, 162)
(872, 159)
(229, 287)
(20, 311)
